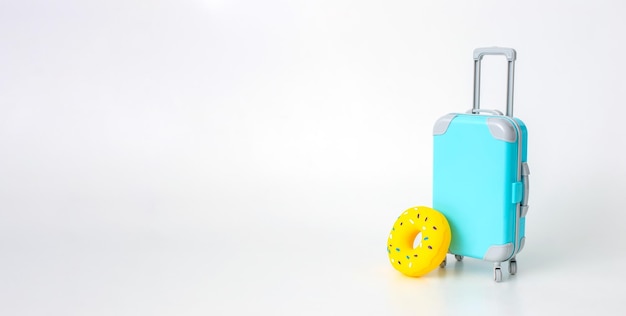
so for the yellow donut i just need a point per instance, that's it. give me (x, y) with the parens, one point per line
(430, 250)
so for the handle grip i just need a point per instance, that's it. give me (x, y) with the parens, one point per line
(509, 53)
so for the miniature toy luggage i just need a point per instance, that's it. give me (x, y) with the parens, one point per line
(480, 176)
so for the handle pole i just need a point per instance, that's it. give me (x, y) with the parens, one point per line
(509, 90)
(476, 85)
(510, 55)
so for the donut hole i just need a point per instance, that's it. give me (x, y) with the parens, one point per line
(417, 240)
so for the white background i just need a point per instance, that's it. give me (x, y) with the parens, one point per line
(216, 157)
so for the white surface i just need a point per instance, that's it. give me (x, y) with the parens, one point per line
(246, 157)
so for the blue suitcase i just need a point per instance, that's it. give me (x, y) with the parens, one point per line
(480, 176)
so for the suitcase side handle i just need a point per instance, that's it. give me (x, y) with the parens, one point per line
(494, 112)
(526, 183)
(511, 56)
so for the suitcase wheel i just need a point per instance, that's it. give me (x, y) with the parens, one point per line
(497, 274)
(513, 266)
(458, 257)
(444, 262)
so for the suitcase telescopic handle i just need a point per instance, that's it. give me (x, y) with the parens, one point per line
(510, 55)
